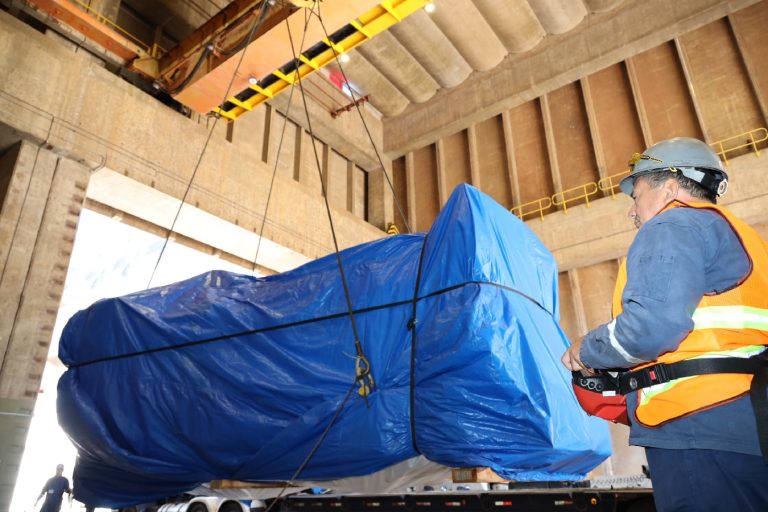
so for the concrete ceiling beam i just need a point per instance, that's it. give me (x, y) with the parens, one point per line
(559, 16)
(514, 22)
(383, 94)
(400, 67)
(429, 45)
(602, 5)
(470, 33)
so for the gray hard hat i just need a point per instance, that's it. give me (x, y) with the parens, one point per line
(691, 157)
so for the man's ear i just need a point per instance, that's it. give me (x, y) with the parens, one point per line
(670, 189)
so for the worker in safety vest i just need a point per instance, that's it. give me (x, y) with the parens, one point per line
(691, 326)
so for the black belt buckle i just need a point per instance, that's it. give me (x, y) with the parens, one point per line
(657, 374)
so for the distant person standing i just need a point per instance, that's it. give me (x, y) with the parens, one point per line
(54, 490)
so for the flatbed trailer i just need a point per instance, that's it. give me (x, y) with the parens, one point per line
(581, 499)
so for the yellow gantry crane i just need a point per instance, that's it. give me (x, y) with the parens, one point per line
(364, 27)
(224, 55)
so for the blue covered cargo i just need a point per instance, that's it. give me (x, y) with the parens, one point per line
(226, 376)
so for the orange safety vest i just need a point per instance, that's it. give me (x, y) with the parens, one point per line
(733, 323)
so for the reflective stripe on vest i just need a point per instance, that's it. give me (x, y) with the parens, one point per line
(730, 317)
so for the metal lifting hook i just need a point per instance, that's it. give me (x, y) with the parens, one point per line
(363, 375)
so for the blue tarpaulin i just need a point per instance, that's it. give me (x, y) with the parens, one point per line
(227, 376)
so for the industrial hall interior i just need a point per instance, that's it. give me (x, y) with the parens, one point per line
(268, 134)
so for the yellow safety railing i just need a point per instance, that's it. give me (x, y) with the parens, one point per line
(154, 50)
(392, 229)
(540, 206)
(611, 183)
(574, 194)
(748, 139)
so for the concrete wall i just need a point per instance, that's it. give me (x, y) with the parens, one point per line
(38, 220)
(94, 116)
(617, 36)
(707, 83)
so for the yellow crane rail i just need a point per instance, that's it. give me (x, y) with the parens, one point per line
(366, 26)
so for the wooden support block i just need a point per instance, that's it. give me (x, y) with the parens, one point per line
(475, 475)
(237, 484)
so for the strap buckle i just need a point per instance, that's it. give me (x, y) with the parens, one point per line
(659, 373)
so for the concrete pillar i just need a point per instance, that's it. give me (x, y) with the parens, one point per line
(474, 157)
(351, 192)
(753, 74)
(42, 195)
(578, 302)
(410, 184)
(594, 131)
(642, 114)
(380, 198)
(509, 146)
(551, 143)
(691, 88)
(325, 157)
(442, 186)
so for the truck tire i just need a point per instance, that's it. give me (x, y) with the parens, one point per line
(197, 507)
(230, 506)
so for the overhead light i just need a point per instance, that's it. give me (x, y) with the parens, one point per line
(253, 80)
(430, 7)
(344, 58)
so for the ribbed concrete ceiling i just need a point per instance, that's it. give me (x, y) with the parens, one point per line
(427, 52)
(412, 61)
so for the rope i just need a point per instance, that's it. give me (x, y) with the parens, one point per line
(262, 16)
(314, 448)
(362, 365)
(332, 316)
(412, 328)
(279, 148)
(365, 125)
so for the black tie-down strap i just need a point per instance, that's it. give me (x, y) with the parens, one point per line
(756, 366)
(758, 393)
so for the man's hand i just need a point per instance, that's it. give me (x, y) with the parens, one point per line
(572, 361)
